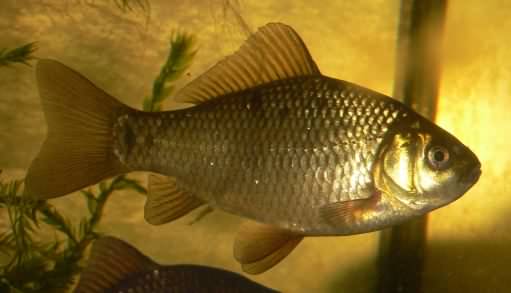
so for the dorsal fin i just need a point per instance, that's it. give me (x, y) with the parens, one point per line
(274, 52)
(111, 261)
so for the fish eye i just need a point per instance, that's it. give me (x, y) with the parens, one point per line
(438, 157)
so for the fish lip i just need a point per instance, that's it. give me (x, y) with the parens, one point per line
(472, 176)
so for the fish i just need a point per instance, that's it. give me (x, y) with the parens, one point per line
(266, 137)
(114, 266)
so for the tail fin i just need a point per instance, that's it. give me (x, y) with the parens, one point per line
(78, 150)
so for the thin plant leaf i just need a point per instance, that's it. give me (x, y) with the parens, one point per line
(129, 184)
(91, 200)
(54, 218)
(131, 5)
(102, 186)
(21, 55)
(181, 53)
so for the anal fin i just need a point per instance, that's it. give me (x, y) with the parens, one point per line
(259, 247)
(165, 202)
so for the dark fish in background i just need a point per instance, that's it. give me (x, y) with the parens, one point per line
(116, 266)
(269, 138)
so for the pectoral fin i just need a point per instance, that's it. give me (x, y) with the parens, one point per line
(346, 213)
(165, 202)
(259, 247)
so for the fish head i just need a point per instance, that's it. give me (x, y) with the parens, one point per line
(424, 167)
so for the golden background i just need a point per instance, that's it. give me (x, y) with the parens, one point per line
(468, 240)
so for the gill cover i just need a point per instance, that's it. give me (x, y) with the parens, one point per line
(398, 168)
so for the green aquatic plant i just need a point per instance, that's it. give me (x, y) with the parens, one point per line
(182, 51)
(21, 54)
(38, 264)
(130, 5)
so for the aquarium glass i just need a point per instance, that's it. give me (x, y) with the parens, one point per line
(122, 49)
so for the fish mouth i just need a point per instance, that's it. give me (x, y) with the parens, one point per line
(472, 176)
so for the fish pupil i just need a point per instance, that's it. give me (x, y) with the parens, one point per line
(439, 156)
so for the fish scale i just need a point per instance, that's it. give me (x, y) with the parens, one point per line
(275, 153)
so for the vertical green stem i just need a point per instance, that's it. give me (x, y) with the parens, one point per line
(416, 84)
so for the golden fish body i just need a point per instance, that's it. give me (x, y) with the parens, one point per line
(269, 138)
(277, 153)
